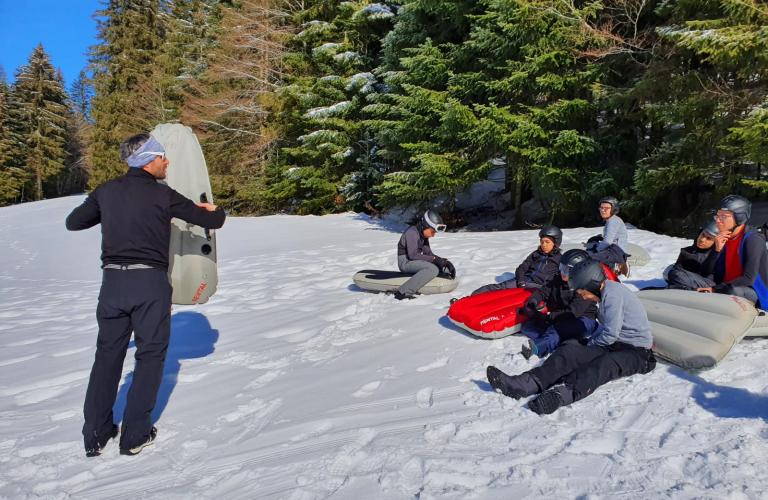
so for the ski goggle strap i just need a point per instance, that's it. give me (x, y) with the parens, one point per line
(146, 153)
(434, 225)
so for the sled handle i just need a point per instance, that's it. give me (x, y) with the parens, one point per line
(204, 199)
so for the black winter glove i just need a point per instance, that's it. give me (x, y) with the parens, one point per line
(532, 303)
(440, 262)
(533, 314)
(449, 269)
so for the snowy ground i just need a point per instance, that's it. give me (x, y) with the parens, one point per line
(291, 383)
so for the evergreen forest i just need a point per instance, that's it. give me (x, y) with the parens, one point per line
(319, 106)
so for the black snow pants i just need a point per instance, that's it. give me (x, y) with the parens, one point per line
(137, 301)
(610, 256)
(680, 279)
(585, 368)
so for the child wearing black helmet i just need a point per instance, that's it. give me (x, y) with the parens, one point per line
(414, 255)
(569, 315)
(538, 268)
(693, 267)
(741, 267)
(620, 347)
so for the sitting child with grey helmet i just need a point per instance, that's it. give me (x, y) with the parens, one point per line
(414, 255)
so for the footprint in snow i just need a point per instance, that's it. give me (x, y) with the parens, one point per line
(438, 363)
(367, 389)
(425, 398)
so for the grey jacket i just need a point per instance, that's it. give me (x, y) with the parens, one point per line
(622, 318)
(414, 245)
(614, 233)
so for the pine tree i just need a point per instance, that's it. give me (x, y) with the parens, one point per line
(81, 95)
(324, 163)
(74, 178)
(700, 95)
(124, 79)
(510, 87)
(41, 108)
(12, 177)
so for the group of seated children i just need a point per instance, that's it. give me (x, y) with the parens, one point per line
(596, 330)
(727, 257)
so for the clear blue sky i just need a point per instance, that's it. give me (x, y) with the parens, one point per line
(65, 28)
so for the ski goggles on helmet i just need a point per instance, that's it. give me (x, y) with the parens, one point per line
(434, 225)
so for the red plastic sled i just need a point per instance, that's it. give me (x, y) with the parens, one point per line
(491, 315)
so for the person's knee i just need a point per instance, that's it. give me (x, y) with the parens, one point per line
(433, 270)
(569, 346)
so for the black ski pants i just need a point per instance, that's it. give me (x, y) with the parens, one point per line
(610, 256)
(585, 368)
(137, 301)
(680, 279)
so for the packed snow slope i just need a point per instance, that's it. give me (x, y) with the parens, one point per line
(291, 383)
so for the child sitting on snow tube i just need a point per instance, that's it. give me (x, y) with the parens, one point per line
(414, 255)
(741, 267)
(570, 316)
(621, 347)
(609, 247)
(693, 267)
(539, 268)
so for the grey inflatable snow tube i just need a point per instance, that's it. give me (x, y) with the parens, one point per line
(388, 281)
(697, 330)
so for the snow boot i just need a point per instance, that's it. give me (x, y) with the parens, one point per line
(403, 296)
(549, 401)
(95, 444)
(137, 449)
(516, 387)
(530, 349)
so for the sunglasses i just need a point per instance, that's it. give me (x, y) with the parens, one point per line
(722, 217)
(155, 153)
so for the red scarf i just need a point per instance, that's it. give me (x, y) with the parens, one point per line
(733, 267)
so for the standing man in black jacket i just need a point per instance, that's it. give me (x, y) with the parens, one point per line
(135, 214)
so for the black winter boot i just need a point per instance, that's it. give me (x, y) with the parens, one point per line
(549, 401)
(137, 449)
(518, 386)
(95, 444)
(529, 349)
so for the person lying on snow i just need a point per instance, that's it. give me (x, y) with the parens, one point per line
(539, 268)
(692, 270)
(741, 267)
(414, 255)
(619, 348)
(569, 316)
(609, 248)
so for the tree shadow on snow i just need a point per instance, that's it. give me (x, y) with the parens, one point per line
(388, 225)
(191, 337)
(723, 401)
